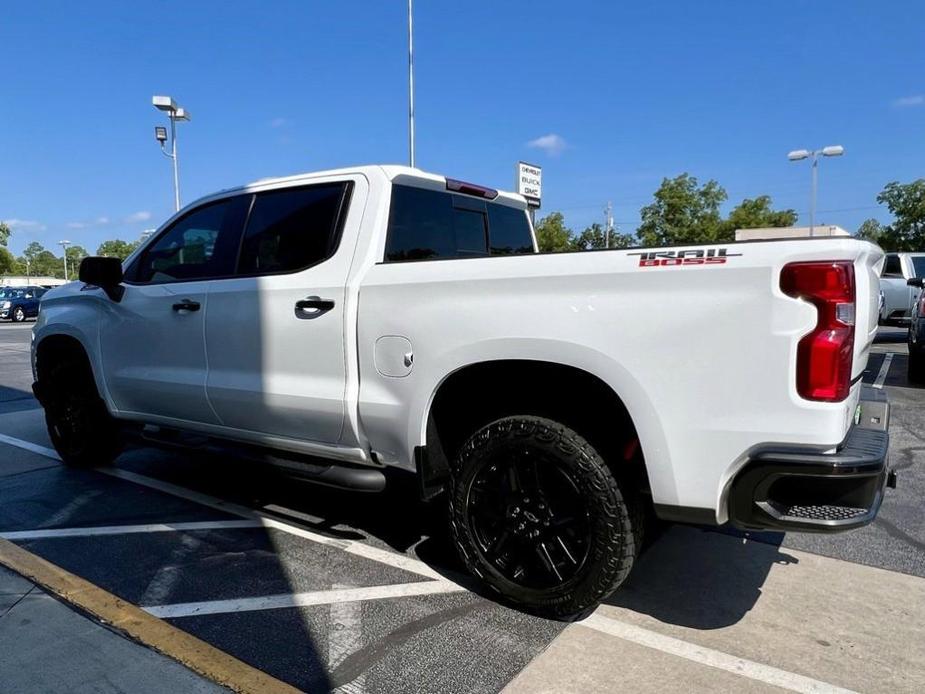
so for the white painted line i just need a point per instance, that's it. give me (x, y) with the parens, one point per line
(393, 559)
(711, 658)
(318, 597)
(29, 446)
(49, 533)
(884, 370)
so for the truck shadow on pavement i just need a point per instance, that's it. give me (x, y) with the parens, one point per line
(699, 578)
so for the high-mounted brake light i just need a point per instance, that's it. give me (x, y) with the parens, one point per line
(471, 189)
(825, 355)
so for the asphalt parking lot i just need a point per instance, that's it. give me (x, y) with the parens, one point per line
(325, 590)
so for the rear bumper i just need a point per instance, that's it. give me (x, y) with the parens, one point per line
(787, 488)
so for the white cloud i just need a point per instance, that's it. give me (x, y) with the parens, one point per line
(279, 122)
(25, 225)
(913, 100)
(76, 225)
(552, 144)
(102, 220)
(142, 216)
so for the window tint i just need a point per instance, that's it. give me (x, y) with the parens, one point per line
(426, 224)
(292, 229)
(199, 246)
(918, 264)
(892, 267)
(509, 230)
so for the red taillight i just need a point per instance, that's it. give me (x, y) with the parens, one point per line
(824, 356)
(922, 304)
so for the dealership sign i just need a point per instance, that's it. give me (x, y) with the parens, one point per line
(529, 182)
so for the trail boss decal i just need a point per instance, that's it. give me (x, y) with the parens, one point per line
(709, 256)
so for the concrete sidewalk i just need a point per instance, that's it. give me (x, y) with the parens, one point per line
(47, 647)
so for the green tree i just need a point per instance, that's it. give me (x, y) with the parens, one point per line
(871, 230)
(5, 232)
(594, 237)
(74, 255)
(8, 264)
(552, 236)
(47, 263)
(755, 213)
(906, 202)
(32, 251)
(117, 248)
(684, 212)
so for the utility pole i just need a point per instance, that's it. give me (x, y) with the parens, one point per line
(608, 224)
(411, 82)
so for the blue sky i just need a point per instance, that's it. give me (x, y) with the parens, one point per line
(633, 92)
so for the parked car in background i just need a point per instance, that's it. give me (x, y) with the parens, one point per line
(19, 303)
(898, 296)
(916, 338)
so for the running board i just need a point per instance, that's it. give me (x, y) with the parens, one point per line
(312, 469)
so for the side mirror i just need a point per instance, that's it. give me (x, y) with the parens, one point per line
(916, 282)
(105, 273)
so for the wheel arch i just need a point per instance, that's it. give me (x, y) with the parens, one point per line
(52, 347)
(480, 392)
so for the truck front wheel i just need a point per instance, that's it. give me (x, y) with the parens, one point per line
(537, 514)
(79, 425)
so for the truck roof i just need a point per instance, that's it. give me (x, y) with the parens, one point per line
(394, 172)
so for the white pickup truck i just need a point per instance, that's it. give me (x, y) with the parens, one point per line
(342, 323)
(898, 296)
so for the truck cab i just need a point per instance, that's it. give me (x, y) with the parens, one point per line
(899, 297)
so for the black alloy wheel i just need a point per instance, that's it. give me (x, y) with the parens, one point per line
(537, 514)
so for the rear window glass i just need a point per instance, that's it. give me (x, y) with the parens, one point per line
(429, 224)
(918, 264)
(291, 229)
(892, 267)
(510, 231)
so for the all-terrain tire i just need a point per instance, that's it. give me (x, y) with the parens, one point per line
(80, 427)
(565, 460)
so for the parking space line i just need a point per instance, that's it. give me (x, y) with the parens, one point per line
(317, 597)
(711, 658)
(47, 533)
(393, 559)
(175, 643)
(29, 446)
(884, 370)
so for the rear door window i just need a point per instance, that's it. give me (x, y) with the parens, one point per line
(430, 224)
(293, 228)
(892, 267)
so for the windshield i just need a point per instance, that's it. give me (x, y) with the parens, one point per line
(9, 293)
(918, 264)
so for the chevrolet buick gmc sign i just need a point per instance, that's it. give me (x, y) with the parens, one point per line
(529, 182)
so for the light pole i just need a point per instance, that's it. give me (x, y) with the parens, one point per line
(64, 245)
(411, 82)
(174, 113)
(799, 154)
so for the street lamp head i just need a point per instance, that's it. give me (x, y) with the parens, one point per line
(181, 114)
(833, 151)
(160, 133)
(164, 103)
(798, 154)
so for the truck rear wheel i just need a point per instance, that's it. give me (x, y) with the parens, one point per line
(537, 514)
(79, 425)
